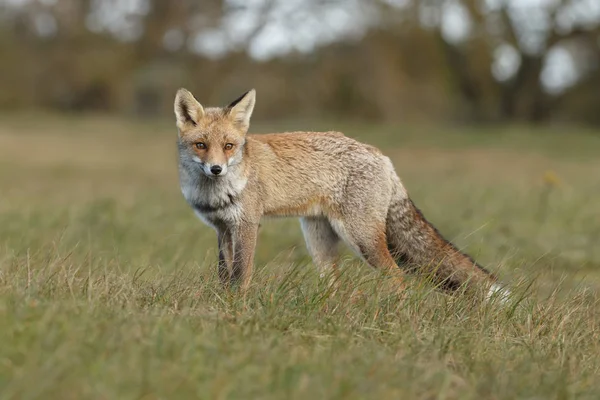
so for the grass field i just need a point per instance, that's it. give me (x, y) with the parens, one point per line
(108, 285)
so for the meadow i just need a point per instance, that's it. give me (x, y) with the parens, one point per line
(108, 285)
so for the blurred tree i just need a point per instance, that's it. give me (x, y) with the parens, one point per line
(479, 60)
(498, 64)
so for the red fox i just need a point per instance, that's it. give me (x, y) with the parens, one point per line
(341, 189)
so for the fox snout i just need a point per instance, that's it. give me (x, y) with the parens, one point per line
(212, 170)
(215, 169)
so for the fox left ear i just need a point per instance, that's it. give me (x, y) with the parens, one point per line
(188, 112)
(240, 110)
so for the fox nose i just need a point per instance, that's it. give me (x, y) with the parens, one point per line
(216, 169)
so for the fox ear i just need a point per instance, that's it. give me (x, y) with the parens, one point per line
(240, 110)
(188, 111)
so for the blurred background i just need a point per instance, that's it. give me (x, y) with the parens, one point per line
(489, 110)
(483, 61)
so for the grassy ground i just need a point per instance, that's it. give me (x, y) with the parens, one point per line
(108, 287)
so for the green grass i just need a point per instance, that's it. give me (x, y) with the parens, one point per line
(108, 285)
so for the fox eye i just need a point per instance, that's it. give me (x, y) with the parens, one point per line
(229, 146)
(200, 145)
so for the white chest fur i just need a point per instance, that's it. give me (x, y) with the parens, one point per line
(213, 199)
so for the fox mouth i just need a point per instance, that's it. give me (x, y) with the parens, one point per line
(207, 173)
(210, 175)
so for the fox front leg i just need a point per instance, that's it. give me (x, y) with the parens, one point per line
(244, 244)
(225, 268)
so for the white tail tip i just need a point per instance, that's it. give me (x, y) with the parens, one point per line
(498, 291)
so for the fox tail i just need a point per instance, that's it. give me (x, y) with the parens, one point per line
(419, 247)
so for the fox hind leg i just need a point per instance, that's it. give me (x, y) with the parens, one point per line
(369, 241)
(322, 244)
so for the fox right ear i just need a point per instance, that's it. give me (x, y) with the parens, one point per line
(241, 109)
(188, 111)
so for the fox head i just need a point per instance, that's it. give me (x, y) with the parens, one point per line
(213, 138)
